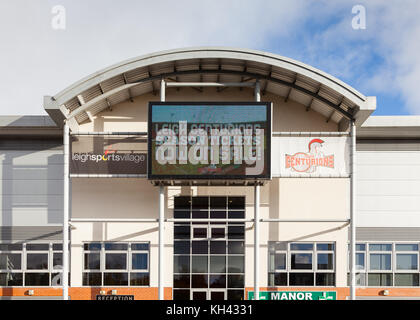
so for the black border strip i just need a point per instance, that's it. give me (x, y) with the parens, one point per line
(150, 176)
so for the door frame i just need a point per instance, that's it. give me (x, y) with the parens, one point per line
(217, 290)
(208, 292)
(199, 290)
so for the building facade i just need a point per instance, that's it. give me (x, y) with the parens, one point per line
(195, 238)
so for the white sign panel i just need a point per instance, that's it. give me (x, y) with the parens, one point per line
(311, 156)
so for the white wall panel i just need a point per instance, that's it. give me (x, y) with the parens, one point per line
(388, 189)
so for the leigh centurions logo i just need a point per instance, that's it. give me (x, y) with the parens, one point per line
(309, 162)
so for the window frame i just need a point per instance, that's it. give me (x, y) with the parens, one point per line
(394, 271)
(102, 262)
(23, 265)
(289, 252)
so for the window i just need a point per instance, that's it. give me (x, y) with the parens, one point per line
(380, 257)
(387, 264)
(116, 264)
(30, 264)
(301, 264)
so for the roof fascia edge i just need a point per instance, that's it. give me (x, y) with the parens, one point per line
(365, 111)
(54, 111)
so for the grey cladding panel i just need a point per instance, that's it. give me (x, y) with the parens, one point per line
(47, 201)
(27, 234)
(388, 234)
(31, 189)
(31, 158)
(31, 144)
(388, 145)
(51, 172)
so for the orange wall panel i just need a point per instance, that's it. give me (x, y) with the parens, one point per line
(86, 293)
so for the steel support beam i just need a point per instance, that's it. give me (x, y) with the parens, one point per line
(330, 116)
(161, 216)
(205, 220)
(210, 84)
(311, 133)
(307, 220)
(353, 213)
(257, 93)
(130, 95)
(162, 90)
(308, 107)
(109, 133)
(106, 100)
(66, 209)
(161, 243)
(256, 242)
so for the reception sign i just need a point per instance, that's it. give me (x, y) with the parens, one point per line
(312, 156)
(108, 155)
(209, 140)
(101, 297)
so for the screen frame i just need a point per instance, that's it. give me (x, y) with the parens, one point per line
(267, 176)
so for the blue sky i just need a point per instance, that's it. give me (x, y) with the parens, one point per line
(354, 56)
(381, 60)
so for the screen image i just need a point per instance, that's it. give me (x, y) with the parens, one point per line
(209, 140)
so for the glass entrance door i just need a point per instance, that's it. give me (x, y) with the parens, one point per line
(217, 295)
(209, 257)
(198, 294)
(209, 294)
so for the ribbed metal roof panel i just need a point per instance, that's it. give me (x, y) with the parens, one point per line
(293, 73)
(91, 93)
(141, 89)
(112, 83)
(136, 74)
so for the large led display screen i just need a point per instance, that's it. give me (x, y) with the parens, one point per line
(208, 140)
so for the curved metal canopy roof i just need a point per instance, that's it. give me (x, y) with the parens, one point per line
(282, 76)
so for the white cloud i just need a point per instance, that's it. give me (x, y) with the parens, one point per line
(391, 42)
(37, 61)
(398, 37)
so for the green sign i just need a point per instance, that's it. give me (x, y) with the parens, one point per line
(295, 295)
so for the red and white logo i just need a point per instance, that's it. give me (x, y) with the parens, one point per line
(309, 162)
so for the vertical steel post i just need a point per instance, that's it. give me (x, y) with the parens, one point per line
(353, 213)
(257, 91)
(66, 200)
(162, 90)
(256, 241)
(161, 216)
(257, 219)
(161, 240)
